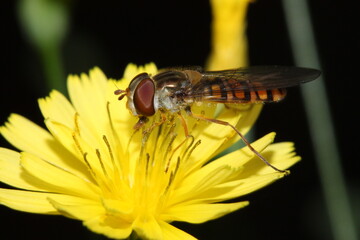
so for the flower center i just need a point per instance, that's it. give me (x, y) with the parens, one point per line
(162, 162)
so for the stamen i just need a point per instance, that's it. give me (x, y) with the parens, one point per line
(143, 143)
(167, 136)
(110, 118)
(168, 149)
(191, 150)
(101, 162)
(84, 154)
(177, 166)
(147, 164)
(88, 164)
(172, 175)
(109, 150)
(196, 124)
(156, 142)
(176, 148)
(171, 178)
(130, 139)
(76, 122)
(189, 146)
(77, 144)
(114, 134)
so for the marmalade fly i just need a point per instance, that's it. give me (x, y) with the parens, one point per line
(175, 89)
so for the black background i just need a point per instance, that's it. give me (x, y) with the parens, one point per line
(112, 34)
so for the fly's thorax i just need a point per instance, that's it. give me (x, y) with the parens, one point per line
(169, 99)
(171, 88)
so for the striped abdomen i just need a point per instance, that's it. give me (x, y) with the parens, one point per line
(228, 91)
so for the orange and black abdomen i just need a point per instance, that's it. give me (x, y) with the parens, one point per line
(232, 91)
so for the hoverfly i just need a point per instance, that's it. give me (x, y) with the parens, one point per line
(176, 89)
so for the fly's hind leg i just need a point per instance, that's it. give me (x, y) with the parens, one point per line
(200, 117)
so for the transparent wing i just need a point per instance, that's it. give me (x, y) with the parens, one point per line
(217, 85)
(262, 77)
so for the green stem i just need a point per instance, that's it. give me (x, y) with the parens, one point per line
(53, 69)
(45, 23)
(321, 125)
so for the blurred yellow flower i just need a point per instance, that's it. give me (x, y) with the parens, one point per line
(91, 166)
(229, 42)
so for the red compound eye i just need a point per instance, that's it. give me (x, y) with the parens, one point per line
(144, 97)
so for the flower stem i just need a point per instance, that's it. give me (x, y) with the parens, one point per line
(321, 125)
(45, 24)
(53, 68)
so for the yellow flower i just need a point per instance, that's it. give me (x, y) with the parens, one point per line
(229, 42)
(91, 166)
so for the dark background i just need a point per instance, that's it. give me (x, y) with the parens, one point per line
(110, 35)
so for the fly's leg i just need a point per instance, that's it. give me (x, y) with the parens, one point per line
(183, 123)
(186, 130)
(188, 111)
(140, 123)
(143, 120)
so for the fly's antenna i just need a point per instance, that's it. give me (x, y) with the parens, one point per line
(120, 92)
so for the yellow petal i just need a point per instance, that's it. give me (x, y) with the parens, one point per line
(110, 226)
(172, 233)
(21, 132)
(77, 208)
(238, 188)
(239, 158)
(93, 215)
(12, 174)
(199, 213)
(58, 108)
(132, 70)
(88, 95)
(118, 207)
(201, 183)
(218, 137)
(33, 202)
(281, 155)
(211, 135)
(242, 117)
(220, 170)
(147, 227)
(255, 174)
(76, 144)
(57, 179)
(31, 138)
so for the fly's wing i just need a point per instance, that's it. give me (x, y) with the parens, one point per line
(249, 84)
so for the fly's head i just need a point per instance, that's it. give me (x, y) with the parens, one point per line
(140, 95)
